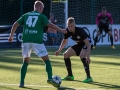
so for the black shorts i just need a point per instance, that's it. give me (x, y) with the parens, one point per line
(79, 46)
(103, 27)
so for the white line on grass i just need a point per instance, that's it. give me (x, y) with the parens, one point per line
(108, 55)
(68, 88)
(25, 85)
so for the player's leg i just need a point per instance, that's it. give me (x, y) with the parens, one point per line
(49, 71)
(99, 31)
(41, 51)
(54, 38)
(67, 54)
(111, 39)
(26, 51)
(50, 35)
(96, 38)
(86, 66)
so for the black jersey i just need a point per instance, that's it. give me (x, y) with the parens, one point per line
(79, 35)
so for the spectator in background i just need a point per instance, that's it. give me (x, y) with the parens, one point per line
(51, 32)
(104, 22)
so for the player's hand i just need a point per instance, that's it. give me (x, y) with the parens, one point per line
(64, 31)
(10, 39)
(88, 60)
(110, 27)
(57, 53)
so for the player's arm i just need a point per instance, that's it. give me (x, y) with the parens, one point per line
(63, 43)
(53, 26)
(84, 36)
(46, 22)
(87, 43)
(111, 19)
(14, 27)
(20, 21)
(97, 20)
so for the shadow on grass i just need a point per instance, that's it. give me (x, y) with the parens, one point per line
(65, 88)
(106, 63)
(103, 85)
(60, 88)
(6, 88)
(30, 88)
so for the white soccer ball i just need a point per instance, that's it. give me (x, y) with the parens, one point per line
(57, 79)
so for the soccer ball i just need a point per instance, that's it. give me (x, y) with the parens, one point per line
(57, 79)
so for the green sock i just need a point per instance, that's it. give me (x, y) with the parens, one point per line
(48, 68)
(23, 72)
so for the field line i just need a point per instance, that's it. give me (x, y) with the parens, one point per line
(68, 88)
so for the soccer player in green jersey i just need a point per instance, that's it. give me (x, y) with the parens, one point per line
(32, 37)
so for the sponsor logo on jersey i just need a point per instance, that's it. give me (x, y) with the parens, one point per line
(30, 31)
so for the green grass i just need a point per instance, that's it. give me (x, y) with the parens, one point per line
(105, 70)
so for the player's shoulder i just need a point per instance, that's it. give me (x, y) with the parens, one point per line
(79, 28)
(43, 16)
(25, 14)
(33, 13)
(108, 14)
(99, 14)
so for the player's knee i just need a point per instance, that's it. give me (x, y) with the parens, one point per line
(110, 34)
(98, 34)
(27, 59)
(66, 55)
(82, 55)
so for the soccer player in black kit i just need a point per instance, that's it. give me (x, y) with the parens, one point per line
(82, 48)
(104, 22)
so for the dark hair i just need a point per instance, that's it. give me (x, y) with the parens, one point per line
(103, 8)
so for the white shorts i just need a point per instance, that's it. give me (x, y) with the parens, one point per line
(39, 49)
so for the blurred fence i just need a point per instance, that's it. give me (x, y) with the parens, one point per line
(11, 10)
(84, 11)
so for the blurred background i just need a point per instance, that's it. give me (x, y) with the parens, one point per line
(84, 12)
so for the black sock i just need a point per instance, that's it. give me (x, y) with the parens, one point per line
(95, 40)
(86, 67)
(111, 39)
(68, 66)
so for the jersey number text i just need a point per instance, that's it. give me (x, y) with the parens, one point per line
(31, 21)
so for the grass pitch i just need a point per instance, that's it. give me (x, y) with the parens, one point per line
(104, 67)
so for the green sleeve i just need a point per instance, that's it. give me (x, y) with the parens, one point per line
(21, 20)
(45, 21)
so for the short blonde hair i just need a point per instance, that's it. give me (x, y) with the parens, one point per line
(71, 20)
(38, 3)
